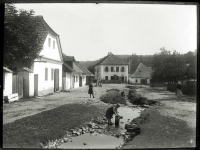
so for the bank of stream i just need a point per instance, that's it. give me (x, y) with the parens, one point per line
(98, 134)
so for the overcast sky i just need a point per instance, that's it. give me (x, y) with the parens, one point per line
(90, 31)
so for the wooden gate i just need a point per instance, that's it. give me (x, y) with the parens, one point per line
(17, 85)
(35, 84)
(80, 81)
(56, 80)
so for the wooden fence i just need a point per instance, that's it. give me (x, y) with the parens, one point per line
(187, 89)
(17, 85)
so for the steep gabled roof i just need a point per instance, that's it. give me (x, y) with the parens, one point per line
(43, 29)
(68, 67)
(7, 70)
(111, 60)
(26, 69)
(142, 72)
(85, 71)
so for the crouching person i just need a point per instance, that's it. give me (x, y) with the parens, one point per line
(110, 111)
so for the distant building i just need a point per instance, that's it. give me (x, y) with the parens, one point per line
(111, 67)
(74, 74)
(142, 75)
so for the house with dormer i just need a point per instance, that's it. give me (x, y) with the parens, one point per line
(47, 68)
(74, 74)
(111, 68)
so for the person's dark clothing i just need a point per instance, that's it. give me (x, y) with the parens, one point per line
(109, 113)
(90, 91)
(122, 94)
(178, 86)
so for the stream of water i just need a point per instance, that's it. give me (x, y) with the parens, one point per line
(105, 139)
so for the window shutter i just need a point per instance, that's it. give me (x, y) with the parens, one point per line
(46, 73)
(49, 42)
(52, 73)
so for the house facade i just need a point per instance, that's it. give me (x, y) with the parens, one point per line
(142, 75)
(47, 68)
(112, 68)
(7, 81)
(74, 74)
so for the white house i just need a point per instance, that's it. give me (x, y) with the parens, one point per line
(7, 81)
(74, 74)
(142, 75)
(47, 68)
(112, 68)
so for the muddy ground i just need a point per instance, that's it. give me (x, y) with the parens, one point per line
(171, 124)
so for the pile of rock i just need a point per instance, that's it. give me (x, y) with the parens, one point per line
(91, 128)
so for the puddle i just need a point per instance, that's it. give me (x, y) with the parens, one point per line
(105, 139)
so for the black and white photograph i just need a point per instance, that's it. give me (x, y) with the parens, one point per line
(100, 75)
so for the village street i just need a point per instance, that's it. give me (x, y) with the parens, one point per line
(171, 123)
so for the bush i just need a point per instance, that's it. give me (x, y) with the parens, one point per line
(108, 97)
(135, 98)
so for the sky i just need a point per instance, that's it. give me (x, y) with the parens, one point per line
(89, 31)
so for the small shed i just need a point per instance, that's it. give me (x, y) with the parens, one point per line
(7, 81)
(28, 84)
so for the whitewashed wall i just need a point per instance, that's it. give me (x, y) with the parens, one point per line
(39, 68)
(31, 84)
(109, 73)
(84, 80)
(68, 80)
(8, 84)
(49, 51)
(76, 84)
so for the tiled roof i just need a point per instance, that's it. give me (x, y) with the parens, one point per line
(68, 58)
(77, 68)
(26, 69)
(85, 71)
(43, 28)
(68, 67)
(111, 60)
(142, 72)
(7, 70)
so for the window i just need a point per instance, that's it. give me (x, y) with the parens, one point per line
(112, 78)
(52, 71)
(106, 69)
(46, 74)
(49, 42)
(112, 69)
(106, 77)
(54, 44)
(117, 69)
(122, 69)
(76, 78)
(136, 80)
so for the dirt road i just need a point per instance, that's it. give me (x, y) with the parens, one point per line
(31, 106)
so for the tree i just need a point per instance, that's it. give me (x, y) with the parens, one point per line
(168, 67)
(134, 62)
(21, 38)
(91, 69)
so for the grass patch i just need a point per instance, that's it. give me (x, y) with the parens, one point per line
(114, 93)
(48, 125)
